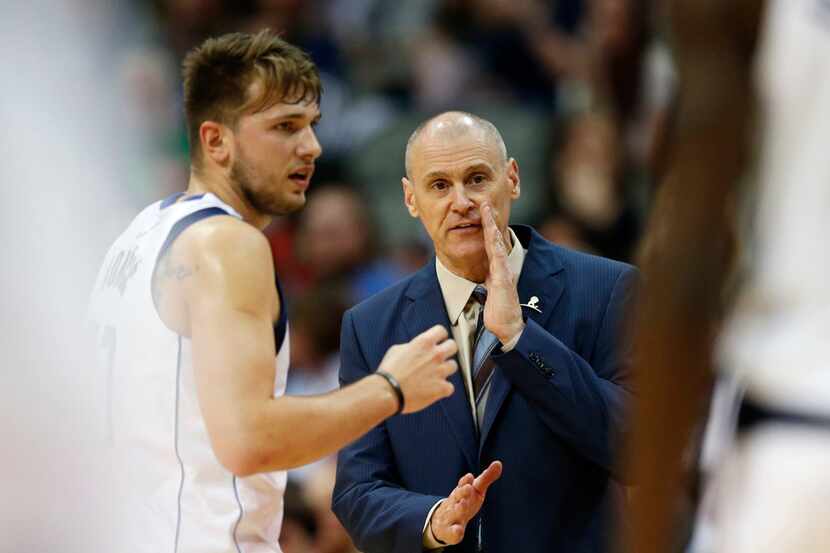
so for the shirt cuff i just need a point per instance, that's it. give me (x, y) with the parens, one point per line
(429, 542)
(511, 343)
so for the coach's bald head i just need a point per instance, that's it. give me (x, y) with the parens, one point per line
(451, 125)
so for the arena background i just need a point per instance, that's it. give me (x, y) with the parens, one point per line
(94, 131)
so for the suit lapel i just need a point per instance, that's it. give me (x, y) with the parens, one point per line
(426, 309)
(541, 277)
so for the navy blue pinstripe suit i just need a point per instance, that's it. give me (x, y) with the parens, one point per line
(555, 413)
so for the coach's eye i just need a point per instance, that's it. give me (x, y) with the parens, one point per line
(440, 185)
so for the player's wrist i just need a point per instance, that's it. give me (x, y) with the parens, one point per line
(394, 390)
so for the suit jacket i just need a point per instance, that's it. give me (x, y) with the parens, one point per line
(555, 412)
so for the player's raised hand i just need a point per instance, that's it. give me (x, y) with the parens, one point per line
(422, 366)
(502, 312)
(449, 521)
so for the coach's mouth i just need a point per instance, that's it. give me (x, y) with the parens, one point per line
(466, 228)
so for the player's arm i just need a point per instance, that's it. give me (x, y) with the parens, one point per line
(232, 302)
(687, 252)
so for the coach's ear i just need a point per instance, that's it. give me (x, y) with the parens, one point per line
(409, 197)
(215, 142)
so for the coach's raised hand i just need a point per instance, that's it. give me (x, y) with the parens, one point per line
(502, 312)
(421, 367)
(449, 521)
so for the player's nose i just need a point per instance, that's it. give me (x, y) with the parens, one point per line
(309, 148)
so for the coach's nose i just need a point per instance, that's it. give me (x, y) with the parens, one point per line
(461, 202)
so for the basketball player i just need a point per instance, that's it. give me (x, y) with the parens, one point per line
(773, 490)
(192, 321)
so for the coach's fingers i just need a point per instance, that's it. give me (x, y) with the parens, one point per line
(493, 239)
(490, 475)
(460, 492)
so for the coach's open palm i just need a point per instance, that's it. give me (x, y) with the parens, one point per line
(502, 312)
(422, 366)
(449, 521)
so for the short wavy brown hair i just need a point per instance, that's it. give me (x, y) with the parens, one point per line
(218, 73)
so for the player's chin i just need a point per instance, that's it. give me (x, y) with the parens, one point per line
(293, 201)
(286, 204)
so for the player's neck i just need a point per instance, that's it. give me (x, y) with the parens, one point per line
(205, 183)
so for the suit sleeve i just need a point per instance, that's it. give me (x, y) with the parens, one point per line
(584, 404)
(368, 499)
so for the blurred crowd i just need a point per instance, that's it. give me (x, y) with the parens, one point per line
(580, 90)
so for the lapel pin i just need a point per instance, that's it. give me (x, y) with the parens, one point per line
(532, 304)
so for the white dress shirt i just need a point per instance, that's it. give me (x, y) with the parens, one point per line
(463, 310)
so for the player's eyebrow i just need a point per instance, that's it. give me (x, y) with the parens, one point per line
(292, 113)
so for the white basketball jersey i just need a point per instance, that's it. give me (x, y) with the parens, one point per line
(778, 341)
(176, 495)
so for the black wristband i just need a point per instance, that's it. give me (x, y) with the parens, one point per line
(396, 387)
(431, 531)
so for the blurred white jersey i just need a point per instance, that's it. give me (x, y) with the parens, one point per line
(177, 497)
(778, 341)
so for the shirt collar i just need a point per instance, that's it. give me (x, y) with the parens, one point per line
(457, 290)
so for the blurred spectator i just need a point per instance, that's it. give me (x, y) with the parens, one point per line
(331, 537)
(411, 255)
(486, 50)
(340, 245)
(631, 72)
(315, 341)
(299, 524)
(562, 230)
(589, 188)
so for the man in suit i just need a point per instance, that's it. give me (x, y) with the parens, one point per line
(540, 399)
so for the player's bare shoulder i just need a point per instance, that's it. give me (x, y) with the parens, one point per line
(219, 259)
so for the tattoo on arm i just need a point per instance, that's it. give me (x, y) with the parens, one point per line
(167, 271)
(183, 271)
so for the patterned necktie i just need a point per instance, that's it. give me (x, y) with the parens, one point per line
(482, 366)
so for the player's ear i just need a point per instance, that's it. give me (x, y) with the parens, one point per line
(215, 142)
(409, 197)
